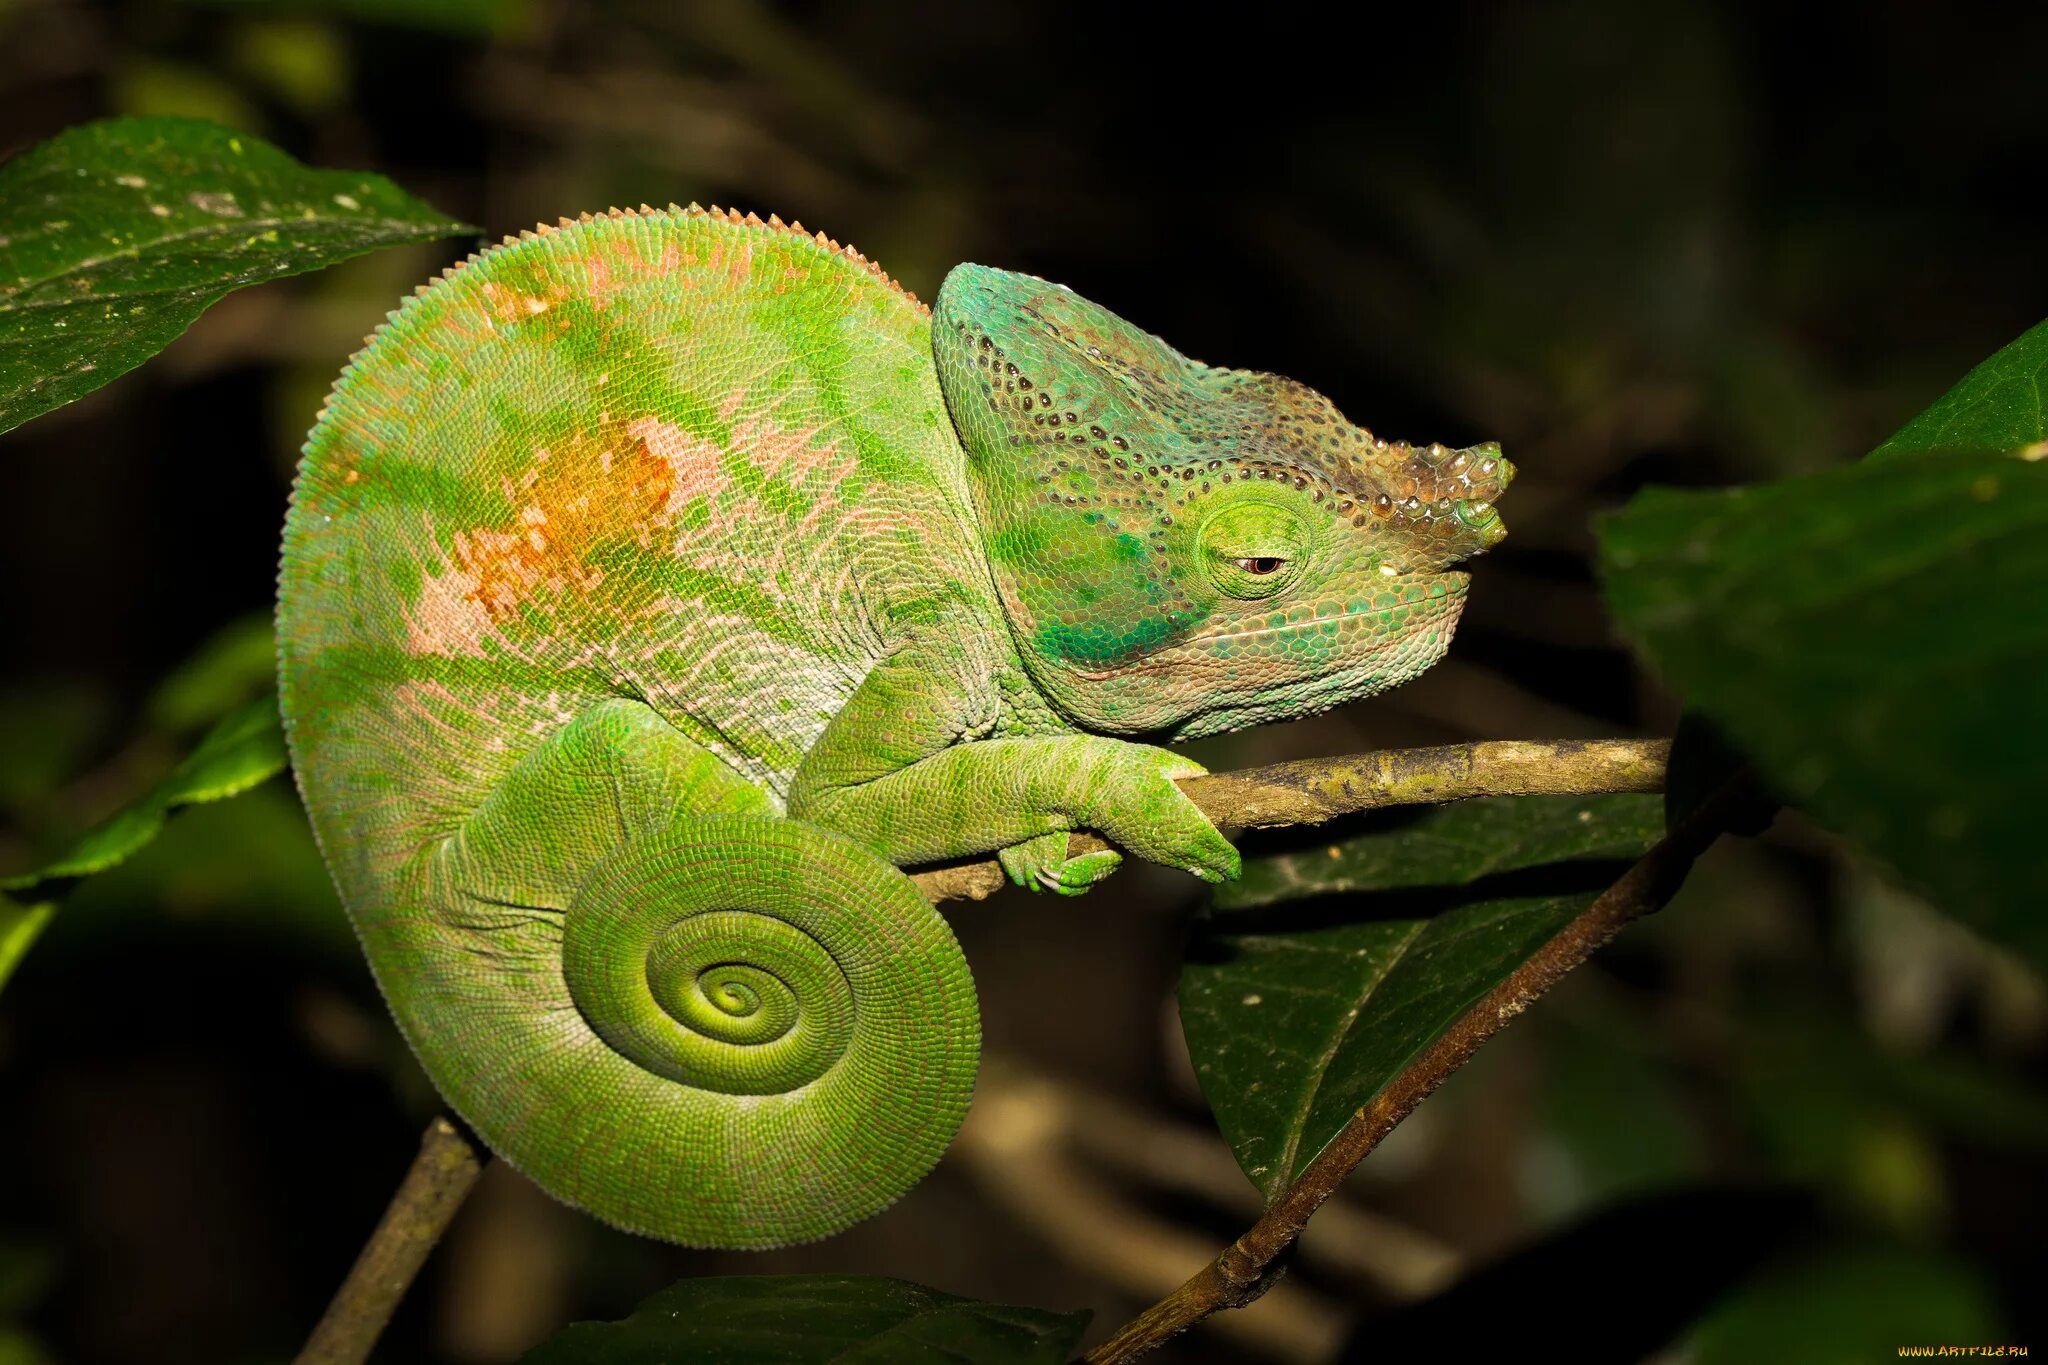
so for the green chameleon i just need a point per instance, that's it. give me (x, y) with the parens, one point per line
(655, 585)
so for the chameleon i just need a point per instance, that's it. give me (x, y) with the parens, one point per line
(657, 586)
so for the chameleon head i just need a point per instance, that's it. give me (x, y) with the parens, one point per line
(1185, 549)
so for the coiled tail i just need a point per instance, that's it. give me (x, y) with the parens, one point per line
(792, 1026)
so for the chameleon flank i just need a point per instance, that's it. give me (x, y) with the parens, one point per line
(655, 585)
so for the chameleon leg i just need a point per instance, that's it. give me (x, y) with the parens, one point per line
(890, 772)
(688, 1015)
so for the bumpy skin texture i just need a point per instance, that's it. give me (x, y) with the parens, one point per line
(657, 584)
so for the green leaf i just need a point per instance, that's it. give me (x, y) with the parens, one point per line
(238, 663)
(794, 1319)
(1298, 1014)
(1873, 637)
(1849, 1307)
(2000, 407)
(20, 926)
(244, 749)
(115, 235)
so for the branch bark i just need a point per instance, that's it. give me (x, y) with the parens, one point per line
(1247, 1267)
(433, 1189)
(1311, 791)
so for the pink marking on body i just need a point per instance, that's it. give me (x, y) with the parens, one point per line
(599, 282)
(447, 618)
(789, 455)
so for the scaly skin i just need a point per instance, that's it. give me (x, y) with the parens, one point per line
(654, 586)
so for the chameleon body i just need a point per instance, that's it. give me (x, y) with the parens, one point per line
(655, 585)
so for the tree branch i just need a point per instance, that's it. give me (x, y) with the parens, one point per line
(1246, 1268)
(440, 1177)
(1310, 791)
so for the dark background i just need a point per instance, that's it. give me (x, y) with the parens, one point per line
(1635, 243)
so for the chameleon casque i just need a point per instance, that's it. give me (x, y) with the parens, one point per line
(656, 584)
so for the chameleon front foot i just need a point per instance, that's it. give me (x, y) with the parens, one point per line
(1042, 864)
(1130, 792)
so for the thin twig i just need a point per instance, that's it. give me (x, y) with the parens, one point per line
(1245, 1269)
(441, 1175)
(1310, 791)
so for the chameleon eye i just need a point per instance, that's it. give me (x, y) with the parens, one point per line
(1253, 548)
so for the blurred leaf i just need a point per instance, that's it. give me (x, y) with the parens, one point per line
(1615, 1120)
(1709, 1240)
(1848, 1308)
(1831, 1109)
(17, 1347)
(1871, 637)
(154, 88)
(114, 236)
(20, 925)
(1296, 1015)
(794, 1319)
(244, 749)
(305, 61)
(238, 663)
(45, 731)
(28, 1273)
(246, 867)
(480, 18)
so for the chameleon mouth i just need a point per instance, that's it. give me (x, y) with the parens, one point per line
(1449, 606)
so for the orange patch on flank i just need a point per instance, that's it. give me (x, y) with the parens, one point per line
(696, 464)
(597, 491)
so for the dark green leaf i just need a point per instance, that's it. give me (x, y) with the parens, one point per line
(1615, 1118)
(1873, 638)
(1298, 1014)
(114, 236)
(244, 749)
(794, 1319)
(1847, 1308)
